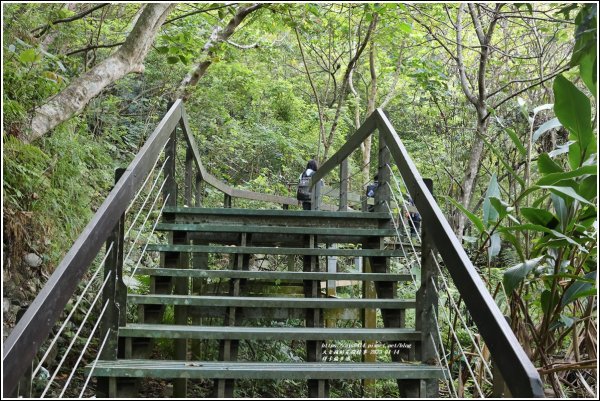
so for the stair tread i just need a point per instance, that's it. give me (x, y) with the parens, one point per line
(267, 333)
(274, 250)
(264, 370)
(275, 212)
(271, 302)
(275, 275)
(275, 229)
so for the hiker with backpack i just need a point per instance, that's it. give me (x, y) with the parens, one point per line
(371, 188)
(304, 194)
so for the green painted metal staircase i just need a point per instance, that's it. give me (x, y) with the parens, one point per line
(198, 234)
(206, 248)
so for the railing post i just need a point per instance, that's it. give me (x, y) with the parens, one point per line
(198, 190)
(344, 185)
(317, 197)
(189, 160)
(115, 293)
(227, 201)
(170, 188)
(427, 305)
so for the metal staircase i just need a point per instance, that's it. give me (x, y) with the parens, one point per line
(240, 234)
(207, 297)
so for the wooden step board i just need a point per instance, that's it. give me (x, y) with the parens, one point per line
(199, 211)
(263, 370)
(267, 333)
(236, 228)
(271, 302)
(273, 275)
(253, 250)
(295, 218)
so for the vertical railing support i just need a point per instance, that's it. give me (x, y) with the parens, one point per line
(115, 293)
(189, 173)
(227, 201)
(198, 190)
(427, 305)
(344, 185)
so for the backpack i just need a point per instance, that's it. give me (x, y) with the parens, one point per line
(303, 193)
(371, 190)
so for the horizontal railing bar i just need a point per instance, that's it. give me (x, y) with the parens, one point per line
(523, 378)
(26, 338)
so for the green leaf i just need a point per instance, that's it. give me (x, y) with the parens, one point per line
(573, 109)
(502, 156)
(29, 56)
(510, 237)
(172, 59)
(547, 126)
(404, 27)
(566, 191)
(501, 207)
(548, 301)
(162, 49)
(587, 71)
(515, 139)
(474, 219)
(495, 246)
(539, 216)
(580, 288)
(588, 188)
(553, 178)
(514, 275)
(547, 166)
(542, 229)
(489, 213)
(575, 157)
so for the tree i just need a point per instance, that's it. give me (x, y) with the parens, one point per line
(128, 58)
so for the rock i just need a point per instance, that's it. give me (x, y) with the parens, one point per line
(33, 260)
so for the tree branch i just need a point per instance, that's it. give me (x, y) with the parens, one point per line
(82, 14)
(218, 35)
(94, 47)
(464, 82)
(525, 89)
(199, 11)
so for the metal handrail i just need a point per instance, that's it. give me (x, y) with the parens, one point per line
(516, 368)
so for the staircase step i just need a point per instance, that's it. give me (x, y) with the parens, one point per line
(271, 302)
(264, 370)
(272, 275)
(236, 228)
(267, 333)
(273, 213)
(253, 250)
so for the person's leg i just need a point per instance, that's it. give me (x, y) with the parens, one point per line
(306, 205)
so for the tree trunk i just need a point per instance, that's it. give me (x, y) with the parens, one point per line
(472, 170)
(371, 101)
(218, 36)
(129, 58)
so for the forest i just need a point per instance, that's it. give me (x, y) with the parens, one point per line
(495, 102)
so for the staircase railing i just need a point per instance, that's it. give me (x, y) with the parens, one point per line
(514, 366)
(34, 327)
